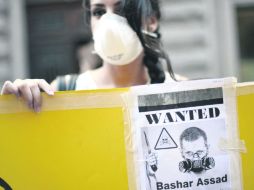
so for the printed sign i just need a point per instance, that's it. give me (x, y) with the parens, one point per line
(184, 129)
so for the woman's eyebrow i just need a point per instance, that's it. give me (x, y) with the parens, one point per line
(118, 3)
(97, 5)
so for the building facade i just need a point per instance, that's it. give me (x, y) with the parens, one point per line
(202, 37)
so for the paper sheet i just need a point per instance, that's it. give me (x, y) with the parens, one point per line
(178, 132)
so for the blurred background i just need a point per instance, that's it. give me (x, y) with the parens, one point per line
(204, 38)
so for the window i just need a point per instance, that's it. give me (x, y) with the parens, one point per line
(53, 28)
(245, 18)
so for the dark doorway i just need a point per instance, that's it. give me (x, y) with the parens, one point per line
(245, 18)
(53, 29)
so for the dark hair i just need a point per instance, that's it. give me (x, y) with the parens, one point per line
(192, 134)
(136, 12)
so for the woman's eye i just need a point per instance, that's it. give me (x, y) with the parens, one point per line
(98, 12)
(119, 11)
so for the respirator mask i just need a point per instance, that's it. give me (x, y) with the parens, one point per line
(196, 166)
(115, 41)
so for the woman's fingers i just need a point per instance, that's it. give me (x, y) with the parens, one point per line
(36, 95)
(10, 88)
(29, 90)
(25, 91)
(45, 86)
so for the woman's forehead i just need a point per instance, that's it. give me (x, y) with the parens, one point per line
(105, 2)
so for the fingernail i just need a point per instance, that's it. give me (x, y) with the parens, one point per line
(37, 109)
(51, 92)
(17, 95)
(30, 105)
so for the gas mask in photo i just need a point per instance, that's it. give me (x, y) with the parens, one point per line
(195, 150)
(197, 165)
(115, 41)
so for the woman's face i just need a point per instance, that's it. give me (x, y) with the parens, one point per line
(100, 7)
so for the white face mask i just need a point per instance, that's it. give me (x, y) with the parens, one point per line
(115, 41)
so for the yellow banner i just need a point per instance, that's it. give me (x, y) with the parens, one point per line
(66, 146)
(245, 94)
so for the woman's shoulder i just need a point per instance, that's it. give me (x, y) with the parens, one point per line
(82, 81)
(65, 82)
(85, 81)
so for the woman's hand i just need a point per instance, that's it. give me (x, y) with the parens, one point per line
(29, 90)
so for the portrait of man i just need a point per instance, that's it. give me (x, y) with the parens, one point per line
(195, 150)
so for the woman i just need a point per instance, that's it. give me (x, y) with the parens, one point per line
(126, 37)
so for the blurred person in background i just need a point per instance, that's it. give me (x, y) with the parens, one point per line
(84, 55)
(126, 37)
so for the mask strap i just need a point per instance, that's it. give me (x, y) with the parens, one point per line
(151, 34)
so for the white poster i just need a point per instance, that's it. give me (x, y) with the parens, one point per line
(178, 134)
